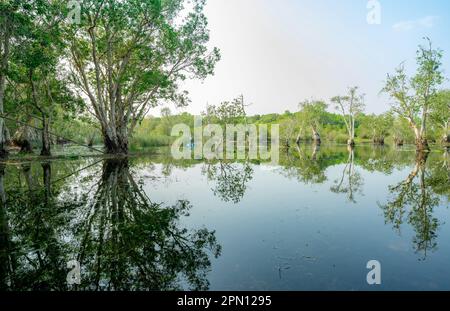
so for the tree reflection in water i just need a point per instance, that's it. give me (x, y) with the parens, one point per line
(99, 215)
(351, 181)
(413, 200)
(230, 179)
(305, 165)
(122, 240)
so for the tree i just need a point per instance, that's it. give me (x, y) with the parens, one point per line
(227, 112)
(349, 106)
(288, 127)
(312, 114)
(440, 113)
(10, 29)
(414, 96)
(401, 132)
(129, 56)
(35, 64)
(377, 126)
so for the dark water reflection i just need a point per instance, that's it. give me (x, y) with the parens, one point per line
(102, 219)
(152, 223)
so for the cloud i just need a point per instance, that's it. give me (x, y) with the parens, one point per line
(424, 22)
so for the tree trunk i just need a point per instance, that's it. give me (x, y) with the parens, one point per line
(378, 141)
(421, 140)
(287, 145)
(299, 138)
(422, 144)
(421, 158)
(3, 69)
(46, 142)
(115, 144)
(316, 137)
(398, 141)
(351, 142)
(25, 146)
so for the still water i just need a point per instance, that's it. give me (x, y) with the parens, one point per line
(153, 223)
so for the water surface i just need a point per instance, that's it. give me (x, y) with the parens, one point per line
(153, 223)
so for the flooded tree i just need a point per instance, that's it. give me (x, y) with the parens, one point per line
(414, 97)
(312, 115)
(350, 106)
(24, 136)
(128, 56)
(377, 127)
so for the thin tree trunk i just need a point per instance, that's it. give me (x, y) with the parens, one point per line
(46, 142)
(351, 141)
(316, 136)
(421, 141)
(299, 138)
(3, 69)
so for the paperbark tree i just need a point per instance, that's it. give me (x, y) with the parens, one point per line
(129, 56)
(349, 106)
(311, 114)
(414, 96)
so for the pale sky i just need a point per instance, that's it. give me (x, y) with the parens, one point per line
(280, 52)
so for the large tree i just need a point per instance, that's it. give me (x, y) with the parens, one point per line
(350, 106)
(414, 96)
(129, 56)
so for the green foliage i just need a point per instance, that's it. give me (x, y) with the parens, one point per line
(414, 97)
(376, 127)
(137, 52)
(312, 114)
(440, 113)
(227, 112)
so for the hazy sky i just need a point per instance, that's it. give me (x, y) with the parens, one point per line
(279, 52)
